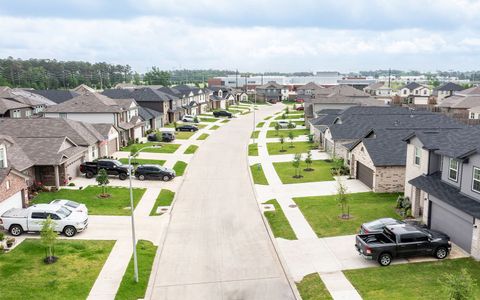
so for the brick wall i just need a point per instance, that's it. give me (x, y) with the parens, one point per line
(16, 183)
(389, 179)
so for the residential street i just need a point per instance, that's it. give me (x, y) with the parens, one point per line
(217, 245)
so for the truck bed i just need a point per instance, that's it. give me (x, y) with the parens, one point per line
(15, 213)
(371, 239)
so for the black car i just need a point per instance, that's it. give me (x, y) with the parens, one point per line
(378, 225)
(161, 137)
(402, 241)
(222, 113)
(112, 166)
(186, 127)
(154, 172)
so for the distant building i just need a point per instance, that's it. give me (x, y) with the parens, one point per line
(446, 90)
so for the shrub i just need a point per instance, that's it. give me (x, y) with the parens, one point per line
(310, 138)
(2, 236)
(459, 287)
(291, 125)
(71, 184)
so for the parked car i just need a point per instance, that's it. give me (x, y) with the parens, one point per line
(188, 118)
(300, 108)
(402, 241)
(378, 225)
(186, 127)
(154, 172)
(299, 100)
(165, 136)
(273, 101)
(20, 220)
(71, 205)
(222, 113)
(286, 124)
(112, 166)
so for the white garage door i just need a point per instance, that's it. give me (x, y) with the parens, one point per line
(138, 132)
(14, 201)
(72, 169)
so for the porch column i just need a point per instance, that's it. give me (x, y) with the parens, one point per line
(57, 177)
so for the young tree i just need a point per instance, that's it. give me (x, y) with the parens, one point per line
(102, 180)
(277, 129)
(310, 138)
(308, 161)
(49, 237)
(175, 125)
(284, 116)
(291, 137)
(134, 153)
(294, 106)
(287, 110)
(459, 286)
(296, 164)
(282, 140)
(343, 197)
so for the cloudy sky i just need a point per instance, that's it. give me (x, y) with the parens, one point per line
(251, 35)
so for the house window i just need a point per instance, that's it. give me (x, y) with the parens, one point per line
(28, 113)
(7, 185)
(16, 113)
(453, 169)
(472, 115)
(418, 156)
(63, 115)
(424, 92)
(476, 180)
(404, 92)
(3, 158)
(94, 152)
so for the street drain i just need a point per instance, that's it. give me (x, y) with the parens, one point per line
(292, 205)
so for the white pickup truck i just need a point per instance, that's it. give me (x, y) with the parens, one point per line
(19, 220)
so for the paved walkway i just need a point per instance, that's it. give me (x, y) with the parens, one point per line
(217, 245)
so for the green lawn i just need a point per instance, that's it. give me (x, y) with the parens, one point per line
(214, 127)
(260, 124)
(191, 149)
(129, 289)
(298, 123)
(253, 149)
(298, 147)
(209, 120)
(161, 147)
(411, 281)
(141, 161)
(285, 132)
(203, 136)
(184, 135)
(71, 277)
(268, 118)
(323, 212)
(312, 288)
(258, 175)
(279, 223)
(225, 121)
(235, 111)
(290, 117)
(255, 134)
(165, 198)
(180, 167)
(321, 171)
(116, 205)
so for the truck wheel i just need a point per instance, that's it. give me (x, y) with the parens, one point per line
(384, 259)
(141, 177)
(89, 174)
(69, 231)
(122, 176)
(16, 230)
(441, 252)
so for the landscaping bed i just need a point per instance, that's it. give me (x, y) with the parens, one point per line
(161, 147)
(129, 289)
(321, 171)
(116, 205)
(413, 280)
(191, 149)
(278, 222)
(25, 275)
(323, 212)
(258, 175)
(312, 288)
(298, 147)
(165, 198)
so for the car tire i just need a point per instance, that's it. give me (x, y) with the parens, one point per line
(69, 231)
(141, 177)
(441, 252)
(16, 230)
(122, 176)
(384, 259)
(89, 174)
(166, 178)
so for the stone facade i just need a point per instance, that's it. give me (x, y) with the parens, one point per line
(12, 185)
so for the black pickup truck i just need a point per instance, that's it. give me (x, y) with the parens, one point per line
(222, 113)
(113, 167)
(403, 240)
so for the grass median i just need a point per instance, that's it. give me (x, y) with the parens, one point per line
(258, 174)
(298, 147)
(312, 288)
(165, 198)
(321, 172)
(191, 149)
(159, 147)
(180, 167)
(278, 222)
(253, 149)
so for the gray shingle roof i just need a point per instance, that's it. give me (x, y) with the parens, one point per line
(6, 105)
(411, 86)
(433, 185)
(48, 150)
(147, 114)
(57, 96)
(25, 97)
(89, 102)
(449, 86)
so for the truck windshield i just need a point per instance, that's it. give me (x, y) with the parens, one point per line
(63, 212)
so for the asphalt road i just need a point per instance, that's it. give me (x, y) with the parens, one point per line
(217, 246)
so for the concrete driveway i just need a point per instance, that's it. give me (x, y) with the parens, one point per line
(217, 245)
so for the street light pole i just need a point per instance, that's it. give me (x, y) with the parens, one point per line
(134, 240)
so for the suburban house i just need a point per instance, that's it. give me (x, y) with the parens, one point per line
(337, 97)
(38, 103)
(14, 109)
(445, 90)
(194, 100)
(378, 89)
(271, 92)
(307, 90)
(152, 118)
(318, 125)
(82, 89)
(415, 93)
(220, 97)
(461, 101)
(474, 113)
(96, 108)
(57, 96)
(13, 183)
(50, 150)
(443, 183)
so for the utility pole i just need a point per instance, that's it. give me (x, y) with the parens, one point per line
(389, 72)
(236, 79)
